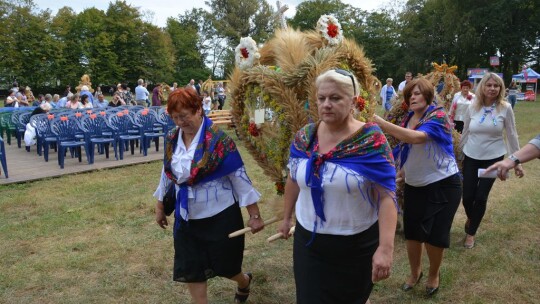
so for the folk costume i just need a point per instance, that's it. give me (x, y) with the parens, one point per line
(337, 225)
(432, 181)
(211, 186)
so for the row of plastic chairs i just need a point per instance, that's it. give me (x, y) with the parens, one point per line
(14, 122)
(117, 127)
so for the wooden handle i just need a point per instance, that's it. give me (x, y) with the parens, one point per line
(278, 236)
(248, 229)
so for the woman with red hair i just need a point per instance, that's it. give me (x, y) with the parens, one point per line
(211, 184)
(461, 102)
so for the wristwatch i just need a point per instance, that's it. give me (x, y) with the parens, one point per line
(254, 216)
(514, 159)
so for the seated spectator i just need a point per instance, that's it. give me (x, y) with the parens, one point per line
(21, 99)
(47, 100)
(85, 101)
(117, 100)
(54, 101)
(86, 92)
(11, 100)
(62, 102)
(30, 133)
(74, 102)
(101, 102)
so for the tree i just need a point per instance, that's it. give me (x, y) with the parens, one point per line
(379, 36)
(234, 19)
(309, 12)
(187, 36)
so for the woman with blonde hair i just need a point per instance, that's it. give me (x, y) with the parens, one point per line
(483, 144)
(341, 185)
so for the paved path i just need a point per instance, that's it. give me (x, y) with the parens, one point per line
(29, 166)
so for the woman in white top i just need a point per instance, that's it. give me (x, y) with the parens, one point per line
(432, 184)
(86, 104)
(461, 102)
(342, 182)
(211, 185)
(483, 143)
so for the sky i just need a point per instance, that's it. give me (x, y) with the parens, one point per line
(162, 9)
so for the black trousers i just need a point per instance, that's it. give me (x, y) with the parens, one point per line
(458, 125)
(221, 100)
(476, 191)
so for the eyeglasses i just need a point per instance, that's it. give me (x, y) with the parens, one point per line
(348, 74)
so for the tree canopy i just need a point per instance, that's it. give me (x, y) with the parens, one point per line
(43, 49)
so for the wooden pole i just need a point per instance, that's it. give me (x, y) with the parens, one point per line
(278, 236)
(248, 229)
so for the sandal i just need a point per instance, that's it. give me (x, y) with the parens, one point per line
(242, 294)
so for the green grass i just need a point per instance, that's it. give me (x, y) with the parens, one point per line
(91, 238)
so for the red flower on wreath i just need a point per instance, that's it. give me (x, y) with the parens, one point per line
(332, 30)
(440, 114)
(360, 103)
(253, 130)
(404, 106)
(280, 188)
(244, 52)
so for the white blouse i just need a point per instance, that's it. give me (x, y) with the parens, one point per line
(462, 104)
(484, 141)
(210, 198)
(428, 163)
(346, 206)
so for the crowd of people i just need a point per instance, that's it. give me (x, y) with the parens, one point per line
(119, 96)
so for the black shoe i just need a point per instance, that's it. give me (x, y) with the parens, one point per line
(407, 287)
(430, 291)
(242, 294)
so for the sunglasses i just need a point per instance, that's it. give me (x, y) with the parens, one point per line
(347, 74)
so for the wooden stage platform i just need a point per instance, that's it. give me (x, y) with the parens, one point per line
(29, 166)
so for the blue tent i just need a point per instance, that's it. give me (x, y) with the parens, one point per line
(531, 74)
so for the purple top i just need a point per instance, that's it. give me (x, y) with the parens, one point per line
(155, 97)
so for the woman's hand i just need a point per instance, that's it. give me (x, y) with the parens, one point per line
(519, 171)
(161, 218)
(285, 228)
(400, 175)
(382, 263)
(256, 224)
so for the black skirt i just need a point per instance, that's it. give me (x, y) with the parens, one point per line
(334, 268)
(203, 249)
(428, 211)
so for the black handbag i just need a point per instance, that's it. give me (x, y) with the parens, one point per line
(169, 200)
